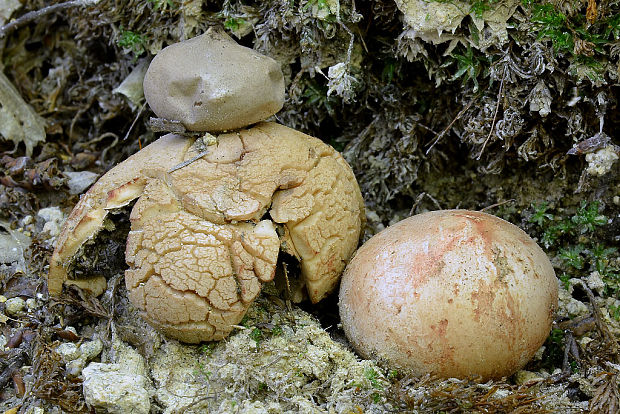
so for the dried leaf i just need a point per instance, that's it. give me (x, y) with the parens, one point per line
(18, 121)
(591, 12)
(131, 87)
(606, 398)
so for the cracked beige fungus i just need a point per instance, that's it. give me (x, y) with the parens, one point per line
(205, 237)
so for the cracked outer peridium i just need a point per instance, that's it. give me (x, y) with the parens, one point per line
(203, 238)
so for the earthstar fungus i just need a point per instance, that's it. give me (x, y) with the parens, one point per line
(206, 236)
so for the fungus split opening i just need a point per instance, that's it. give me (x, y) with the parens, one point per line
(199, 248)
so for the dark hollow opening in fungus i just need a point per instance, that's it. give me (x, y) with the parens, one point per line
(326, 311)
(288, 275)
(104, 255)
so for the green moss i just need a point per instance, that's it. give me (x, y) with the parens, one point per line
(540, 215)
(471, 65)
(234, 23)
(131, 41)
(576, 241)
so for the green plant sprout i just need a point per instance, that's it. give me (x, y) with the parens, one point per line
(614, 312)
(565, 279)
(575, 241)
(256, 335)
(552, 24)
(131, 41)
(479, 7)
(587, 217)
(540, 216)
(572, 256)
(207, 349)
(372, 375)
(234, 23)
(470, 65)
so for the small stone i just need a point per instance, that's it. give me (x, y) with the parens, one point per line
(91, 349)
(3, 342)
(595, 282)
(80, 181)
(2, 299)
(109, 388)
(523, 377)
(74, 368)
(31, 304)
(210, 83)
(14, 306)
(68, 351)
(53, 218)
(601, 161)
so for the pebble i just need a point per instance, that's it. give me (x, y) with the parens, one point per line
(91, 349)
(523, 377)
(53, 218)
(74, 368)
(14, 306)
(68, 351)
(80, 181)
(32, 304)
(109, 388)
(76, 357)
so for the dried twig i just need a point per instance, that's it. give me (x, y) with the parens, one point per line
(449, 127)
(134, 121)
(419, 199)
(600, 323)
(501, 203)
(35, 14)
(499, 97)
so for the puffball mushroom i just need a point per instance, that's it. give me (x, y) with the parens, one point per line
(456, 293)
(203, 237)
(210, 83)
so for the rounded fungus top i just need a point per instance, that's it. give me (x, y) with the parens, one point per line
(210, 83)
(455, 293)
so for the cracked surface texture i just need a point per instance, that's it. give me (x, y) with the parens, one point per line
(203, 238)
